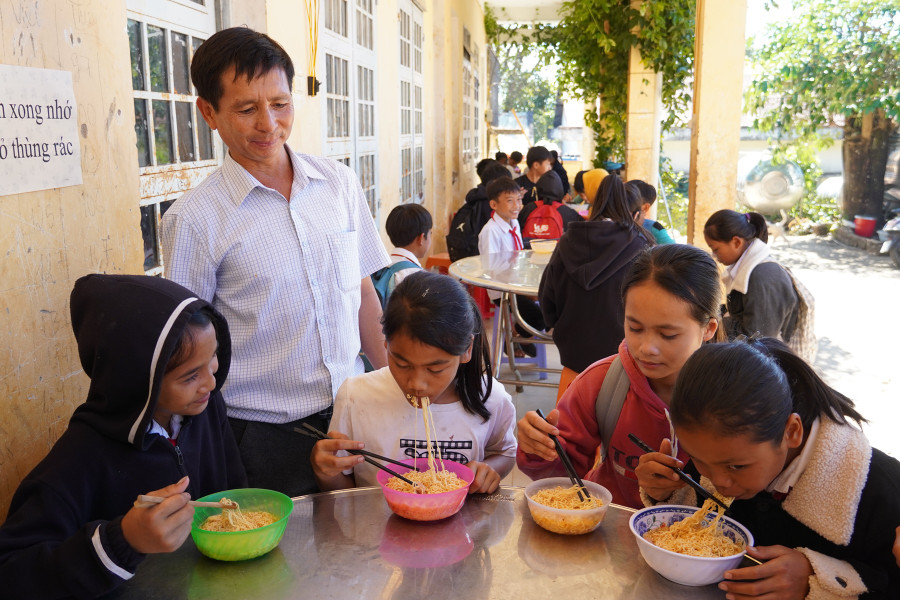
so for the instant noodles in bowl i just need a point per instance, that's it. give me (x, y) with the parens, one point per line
(427, 507)
(567, 521)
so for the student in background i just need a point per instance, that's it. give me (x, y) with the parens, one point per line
(502, 158)
(579, 196)
(580, 291)
(538, 162)
(648, 197)
(409, 227)
(760, 295)
(501, 234)
(557, 167)
(153, 423)
(469, 220)
(762, 427)
(549, 191)
(672, 296)
(515, 157)
(436, 349)
(592, 180)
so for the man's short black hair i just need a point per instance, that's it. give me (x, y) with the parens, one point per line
(500, 156)
(501, 185)
(407, 222)
(515, 156)
(252, 54)
(536, 154)
(648, 192)
(494, 171)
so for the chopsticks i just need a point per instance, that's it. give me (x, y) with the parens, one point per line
(311, 431)
(567, 463)
(702, 491)
(144, 501)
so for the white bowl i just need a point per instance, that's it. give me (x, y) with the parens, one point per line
(543, 246)
(567, 522)
(681, 568)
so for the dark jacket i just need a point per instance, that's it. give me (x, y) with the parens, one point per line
(770, 305)
(581, 290)
(63, 535)
(529, 187)
(563, 175)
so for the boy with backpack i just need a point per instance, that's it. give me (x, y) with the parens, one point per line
(467, 223)
(409, 229)
(547, 218)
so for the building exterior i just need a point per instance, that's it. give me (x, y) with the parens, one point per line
(402, 101)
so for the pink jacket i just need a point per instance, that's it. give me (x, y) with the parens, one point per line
(642, 414)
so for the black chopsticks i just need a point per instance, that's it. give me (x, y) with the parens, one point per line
(576, 480)
(702, 491)
(311, 431)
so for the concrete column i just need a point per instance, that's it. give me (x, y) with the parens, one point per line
(643, 120)
(715, 126)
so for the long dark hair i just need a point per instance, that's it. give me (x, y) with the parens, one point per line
(725, 224)
(752, 387)
(618, 202)
(436, 310)
(686, 272)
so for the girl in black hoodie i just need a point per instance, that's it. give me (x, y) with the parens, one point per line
(154, 422)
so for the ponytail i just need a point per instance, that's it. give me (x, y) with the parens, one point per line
(618, 202)
(724, 225)
(752, 386)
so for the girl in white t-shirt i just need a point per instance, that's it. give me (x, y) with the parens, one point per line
(436, 349)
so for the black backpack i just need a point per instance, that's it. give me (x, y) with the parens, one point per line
(462, 241)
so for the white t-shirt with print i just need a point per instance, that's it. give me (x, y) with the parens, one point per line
(371, 408)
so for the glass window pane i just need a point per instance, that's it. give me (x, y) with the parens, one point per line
(183, 120)
(181, 76)
(164, 206)
(137, 55)
(148, 232)
(141, 132)
(162, 131)
(204, 139)
(156, 49)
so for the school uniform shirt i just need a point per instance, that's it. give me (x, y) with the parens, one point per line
(63, 535)
(760, 296)
(371, 408)
(400, 255)
(840, 513)
(643, 414)
(581, 290)
(286, 275)
(499, 236)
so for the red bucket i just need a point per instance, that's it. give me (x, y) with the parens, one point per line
(864, 226)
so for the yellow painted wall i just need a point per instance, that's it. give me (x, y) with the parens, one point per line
(50, 238)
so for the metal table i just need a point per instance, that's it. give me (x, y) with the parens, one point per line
(510, 273)
(348, 544)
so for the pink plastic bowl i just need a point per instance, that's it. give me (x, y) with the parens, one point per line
(426, 507)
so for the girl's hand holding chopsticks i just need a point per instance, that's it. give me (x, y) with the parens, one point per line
(325, 461)
(162, 527)
(534, 434)
(655, 475)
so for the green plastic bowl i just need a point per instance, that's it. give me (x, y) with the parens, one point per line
(242, 545)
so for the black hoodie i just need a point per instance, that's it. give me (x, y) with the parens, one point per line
(63, 536)
(581, 290)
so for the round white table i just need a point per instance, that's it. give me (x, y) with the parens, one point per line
(510, 273)
(348, 544)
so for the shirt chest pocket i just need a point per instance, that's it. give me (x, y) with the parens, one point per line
(344, 259)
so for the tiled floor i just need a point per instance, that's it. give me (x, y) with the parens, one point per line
(530, 398)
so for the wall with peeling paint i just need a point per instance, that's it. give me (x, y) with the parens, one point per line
(50, 238)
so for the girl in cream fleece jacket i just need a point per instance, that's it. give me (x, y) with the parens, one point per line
(822, 505)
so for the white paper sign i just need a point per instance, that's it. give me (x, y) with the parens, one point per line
(39, 147)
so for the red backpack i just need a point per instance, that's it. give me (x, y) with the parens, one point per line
(544, 222)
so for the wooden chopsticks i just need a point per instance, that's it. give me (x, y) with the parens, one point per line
(567, 463)
(144, 501)
(702, 491)
(311, 431)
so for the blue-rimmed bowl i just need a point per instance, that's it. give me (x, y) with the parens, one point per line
(681, 568)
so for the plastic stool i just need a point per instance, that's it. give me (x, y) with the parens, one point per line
(539, 360)
(482, 300)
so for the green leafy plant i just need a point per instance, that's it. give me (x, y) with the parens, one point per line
(833, 64)
(592, 44)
